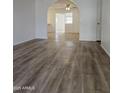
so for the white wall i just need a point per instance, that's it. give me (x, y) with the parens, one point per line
(41, 8)
(106, 25)
(88, 18)
(24, 21)
(99, 15)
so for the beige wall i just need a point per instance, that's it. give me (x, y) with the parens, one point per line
(51, 20)
(68, 27)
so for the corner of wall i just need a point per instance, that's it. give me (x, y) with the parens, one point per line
(105, 49)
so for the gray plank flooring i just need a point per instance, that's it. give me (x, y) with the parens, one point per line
(51, 66)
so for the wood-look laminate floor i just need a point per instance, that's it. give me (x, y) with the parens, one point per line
(63, 36)
(53, 66)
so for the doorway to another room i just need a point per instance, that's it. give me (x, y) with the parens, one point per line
(60, 23)
(63, 21)
(60, 26)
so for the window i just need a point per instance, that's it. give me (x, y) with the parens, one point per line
(68, 18)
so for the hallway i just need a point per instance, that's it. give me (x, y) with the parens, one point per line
(61, 66)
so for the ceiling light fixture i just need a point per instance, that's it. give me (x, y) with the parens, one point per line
(68, 7)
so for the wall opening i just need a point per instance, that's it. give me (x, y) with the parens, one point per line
(60, 22)
(63, 21)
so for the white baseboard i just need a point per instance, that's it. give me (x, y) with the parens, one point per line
(86, 40)
(22, 41)
(105, 50)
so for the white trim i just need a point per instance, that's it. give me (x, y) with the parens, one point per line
(86, 39)
(19, 42)
(105, 49)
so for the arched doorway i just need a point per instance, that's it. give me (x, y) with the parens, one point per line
(63, 21)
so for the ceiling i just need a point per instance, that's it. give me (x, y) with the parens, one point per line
(62, 4)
